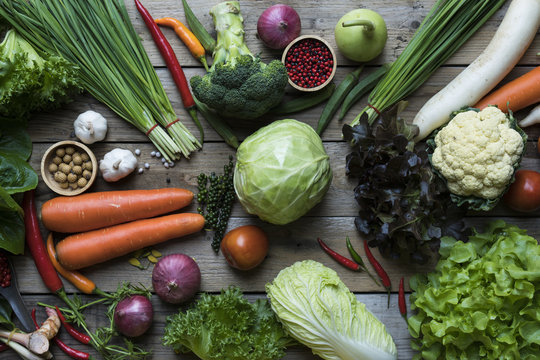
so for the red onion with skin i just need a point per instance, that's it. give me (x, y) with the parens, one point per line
(133, 315)
(278, 26)
(176, 278)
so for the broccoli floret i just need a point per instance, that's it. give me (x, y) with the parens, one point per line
(238, 85)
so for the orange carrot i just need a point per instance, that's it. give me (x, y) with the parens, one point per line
(518, 93)
(93, 247)
(80, 281)
(92, 211)
(188, 38)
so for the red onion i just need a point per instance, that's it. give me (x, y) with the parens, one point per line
(176, 278)
(278, 26)
(133, 315)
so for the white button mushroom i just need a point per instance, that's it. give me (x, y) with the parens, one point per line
(90, 126)
(117, 164)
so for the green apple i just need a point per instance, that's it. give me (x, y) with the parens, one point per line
(361, 35)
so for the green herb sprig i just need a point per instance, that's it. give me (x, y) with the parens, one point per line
(103, 339)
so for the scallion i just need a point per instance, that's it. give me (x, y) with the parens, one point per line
(447, 26)
(97, 36)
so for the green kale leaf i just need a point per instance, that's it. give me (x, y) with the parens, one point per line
(227, 327)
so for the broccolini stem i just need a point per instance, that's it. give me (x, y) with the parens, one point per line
(229, 25)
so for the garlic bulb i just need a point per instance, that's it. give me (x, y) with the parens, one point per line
(90, 126)
(117, 164)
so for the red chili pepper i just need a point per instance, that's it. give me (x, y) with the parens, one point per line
(73, 353)
(37, 245)
(379, 269)
(348, 263)
(171, 60)
(3, 347)
(76, 334)
(401, 299)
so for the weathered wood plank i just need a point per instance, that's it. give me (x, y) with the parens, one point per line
(402, 19)
(376, 303)
(288, 244)
(58, 125)
(339, 200)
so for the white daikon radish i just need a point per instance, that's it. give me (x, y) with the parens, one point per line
(532, 118)
(511, 40)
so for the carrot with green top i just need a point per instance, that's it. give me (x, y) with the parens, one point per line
(93, 247)
(188, 38)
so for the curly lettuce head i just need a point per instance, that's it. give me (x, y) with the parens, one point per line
(483, 299)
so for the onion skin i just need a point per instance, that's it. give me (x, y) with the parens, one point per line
(133, 315)
(278, 26)
(176, 278)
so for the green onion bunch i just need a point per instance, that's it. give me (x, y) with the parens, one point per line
(98, 37)
(447, 26)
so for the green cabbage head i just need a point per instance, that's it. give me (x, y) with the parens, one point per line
(282, 171)
(317, 309)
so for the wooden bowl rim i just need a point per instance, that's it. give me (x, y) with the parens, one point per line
(51, 184)
(334, 68)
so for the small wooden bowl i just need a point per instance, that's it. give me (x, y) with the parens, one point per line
(48, 177)
(318, 38)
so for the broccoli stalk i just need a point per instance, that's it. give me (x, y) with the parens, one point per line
(238, 85)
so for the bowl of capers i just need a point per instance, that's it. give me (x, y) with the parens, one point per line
(69, 168)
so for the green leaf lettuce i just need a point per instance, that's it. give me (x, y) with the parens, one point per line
(30, 81)
(483, 299)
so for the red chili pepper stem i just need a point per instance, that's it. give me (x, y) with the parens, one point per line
(82, 338)
(401, 299)
(173, 65)
(349, 264)
(379, 269)
(356, 257)
(73, 353)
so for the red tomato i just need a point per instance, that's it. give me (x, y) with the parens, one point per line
(524, 193)
(245, 247)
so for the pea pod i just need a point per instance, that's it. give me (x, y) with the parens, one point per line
(207, 41)
(304, 102)
(337, 98)
(362, 87)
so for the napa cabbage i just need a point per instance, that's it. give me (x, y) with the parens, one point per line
(317, 309)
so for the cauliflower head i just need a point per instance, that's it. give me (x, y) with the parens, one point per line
(477, 153)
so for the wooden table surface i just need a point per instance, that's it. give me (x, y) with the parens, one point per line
(332, 220)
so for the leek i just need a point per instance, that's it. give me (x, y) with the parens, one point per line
(447, 26)
(98, 37)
